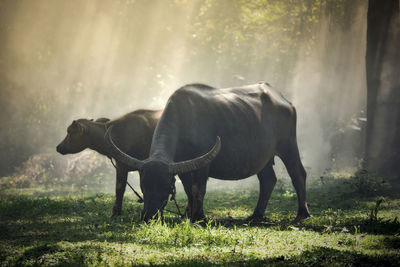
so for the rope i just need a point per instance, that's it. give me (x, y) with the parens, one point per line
(173, 193)
(140, 200)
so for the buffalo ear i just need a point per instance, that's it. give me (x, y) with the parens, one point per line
(74, 125)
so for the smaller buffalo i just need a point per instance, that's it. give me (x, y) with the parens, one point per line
(132, 132)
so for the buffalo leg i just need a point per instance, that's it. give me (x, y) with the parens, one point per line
(198, 190)
(121, 178)
(291, 158)
(267, 179)
(187, 181)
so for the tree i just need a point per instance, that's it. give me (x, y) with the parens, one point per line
(383, 88)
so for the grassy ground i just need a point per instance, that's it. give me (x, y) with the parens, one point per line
(351, 225)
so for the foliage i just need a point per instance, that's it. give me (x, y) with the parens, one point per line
(367, 184)
(76, 229)
(84, 171)
(265, 36)
(374, 212)
(362, 183)
(50, 75)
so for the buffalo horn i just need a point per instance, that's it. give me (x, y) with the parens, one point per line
(118, 154)
(196, 163)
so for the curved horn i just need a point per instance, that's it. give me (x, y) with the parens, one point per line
(196, 163)
(118, 154)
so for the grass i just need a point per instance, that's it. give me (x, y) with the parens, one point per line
(349, 227)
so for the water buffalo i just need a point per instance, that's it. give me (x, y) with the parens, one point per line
(133, 133)
(228, 134)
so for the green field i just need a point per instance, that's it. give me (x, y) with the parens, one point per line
(352, 225)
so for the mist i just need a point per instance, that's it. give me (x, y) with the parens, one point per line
(63, 60)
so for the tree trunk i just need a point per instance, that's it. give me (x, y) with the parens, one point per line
(383, 88)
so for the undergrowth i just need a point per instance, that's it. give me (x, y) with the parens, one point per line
(349, 227)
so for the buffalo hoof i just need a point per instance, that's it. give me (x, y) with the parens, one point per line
(301, 217)
(187, 214)
(202, 222)
(116, 213)
(199, 219)
(255, 218)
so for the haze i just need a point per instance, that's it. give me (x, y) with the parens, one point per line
(63, 60)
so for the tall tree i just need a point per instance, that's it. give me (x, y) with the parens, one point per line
(383, 88)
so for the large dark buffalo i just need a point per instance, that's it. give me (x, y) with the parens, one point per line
(132, 133)
(228, 134)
